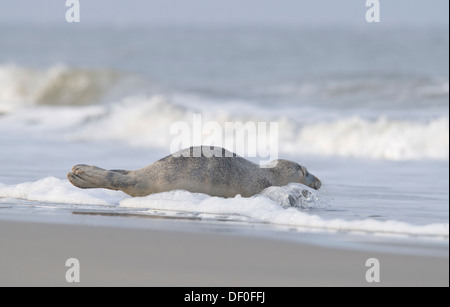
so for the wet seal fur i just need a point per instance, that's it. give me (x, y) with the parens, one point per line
(223, 174)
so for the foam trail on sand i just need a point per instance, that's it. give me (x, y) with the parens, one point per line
(264, 209)
(275, 205)
(54, 190)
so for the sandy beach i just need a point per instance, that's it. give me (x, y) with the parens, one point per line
(321, 91)
(34, 254)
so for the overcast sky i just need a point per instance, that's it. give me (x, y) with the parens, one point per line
(226, 12)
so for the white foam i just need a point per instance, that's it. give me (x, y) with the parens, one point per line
(51, 189)
(264, 209)
(139, 120)
(379, 139)
(146, 121)
(268, 207)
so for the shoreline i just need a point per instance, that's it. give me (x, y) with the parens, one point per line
(170, 253)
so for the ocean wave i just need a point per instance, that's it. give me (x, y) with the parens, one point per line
(146, 121)
(57, 85)
(64, 85)
(373, 91)
(269, 206)
(382, 138)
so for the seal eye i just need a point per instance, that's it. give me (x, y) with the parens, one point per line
(305, 171)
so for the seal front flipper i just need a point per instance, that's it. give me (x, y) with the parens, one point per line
(89, 177)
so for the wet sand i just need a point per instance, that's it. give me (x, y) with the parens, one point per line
(35, 253)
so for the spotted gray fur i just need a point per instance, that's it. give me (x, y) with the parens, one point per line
(225, 174)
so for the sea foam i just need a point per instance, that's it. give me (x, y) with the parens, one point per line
(54, 190)
(267, 207)
(55, 99)
(265, 210)
(146, 121)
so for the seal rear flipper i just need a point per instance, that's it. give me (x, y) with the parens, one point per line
(89, 177)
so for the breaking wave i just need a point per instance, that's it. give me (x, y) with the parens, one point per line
(58, 85)
(146, 121)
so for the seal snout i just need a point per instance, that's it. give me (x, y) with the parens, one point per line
(313, 182)
(317, 184)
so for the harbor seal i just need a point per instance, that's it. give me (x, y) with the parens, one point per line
(223, 174)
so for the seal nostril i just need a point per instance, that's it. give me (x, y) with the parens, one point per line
(318, 185)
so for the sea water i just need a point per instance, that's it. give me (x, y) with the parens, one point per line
(364, 110)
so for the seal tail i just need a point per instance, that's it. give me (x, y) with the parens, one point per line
(89, 177)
